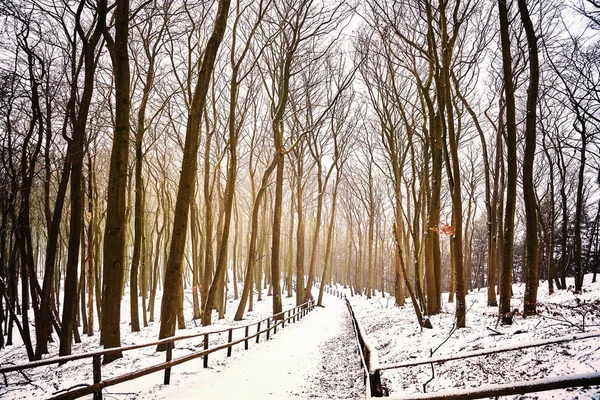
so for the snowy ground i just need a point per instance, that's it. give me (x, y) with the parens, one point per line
(308, 360)
(315, 358)
(398, 338)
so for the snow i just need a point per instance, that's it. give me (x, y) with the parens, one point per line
(293, 364)
(314, 358)
(398, 338)
(317, 357)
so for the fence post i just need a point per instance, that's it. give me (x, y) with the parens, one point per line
(246, 342)
(257, 330)
(268, 327)
(97, 368)
(283, 323)
(169, 357)
(206, 348)
(375, 382)
(229, 338)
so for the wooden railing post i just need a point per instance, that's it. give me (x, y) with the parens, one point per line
(283, 323)
(97, 371)
(229, 338)
(246, 342)
(268, 328)
(206, 348)
(375, 382)
(257, 330)
(169, 357)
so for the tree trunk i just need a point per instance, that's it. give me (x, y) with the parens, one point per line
(90, 248)
(511, 151)
(115, 230)
(316, 232)
(300, 230)
(174, 270)
(531, 236)
(252, 253)
(276, 234)
(327, 267)
(195, 261)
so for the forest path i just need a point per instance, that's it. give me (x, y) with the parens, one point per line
(315, 358)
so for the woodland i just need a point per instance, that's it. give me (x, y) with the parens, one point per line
(413, 147)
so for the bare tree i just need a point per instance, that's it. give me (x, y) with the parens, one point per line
(114, 233)
(511, 185)
(234, 126)
(532, 254)
(173, 275)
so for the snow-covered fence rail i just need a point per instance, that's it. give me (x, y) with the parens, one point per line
(513, 388)
(501, 349)
(272, 322)
(373, 369)
(369, 358)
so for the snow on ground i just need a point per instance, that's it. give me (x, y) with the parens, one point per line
(315, 358)
(308, 360)
(398, 338)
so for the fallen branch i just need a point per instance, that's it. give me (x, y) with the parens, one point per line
(495, 331)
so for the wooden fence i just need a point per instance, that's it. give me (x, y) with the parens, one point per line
(370, 363)
(367, 352)
(272, 322)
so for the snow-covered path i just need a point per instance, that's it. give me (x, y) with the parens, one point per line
(315, 358)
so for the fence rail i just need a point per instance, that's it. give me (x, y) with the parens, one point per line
(368, 354)
(292, 314)
(374, 369)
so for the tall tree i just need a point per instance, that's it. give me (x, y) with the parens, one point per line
(234, 123)
(511, 152)
(172, 296)
(151, 41)
(531, 218)
(115, 233)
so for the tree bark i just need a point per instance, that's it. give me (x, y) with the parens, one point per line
(511, 151)
(531, 235)
(115, 229)
(174, 269)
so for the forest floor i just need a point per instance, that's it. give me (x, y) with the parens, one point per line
(314, 358)
(396, 334)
